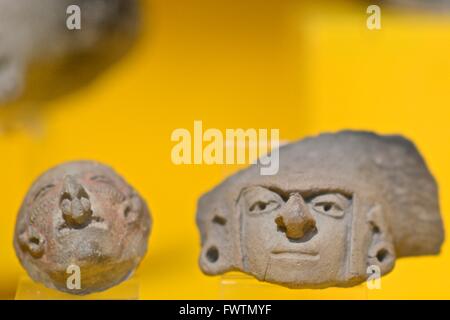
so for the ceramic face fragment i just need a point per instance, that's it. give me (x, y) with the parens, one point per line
(339, 204)
(82, 214)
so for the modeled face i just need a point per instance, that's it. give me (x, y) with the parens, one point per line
(85, 215)
(342, 207)
(83, 206)
(295, 237)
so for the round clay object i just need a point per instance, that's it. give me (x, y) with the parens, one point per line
(81, 217)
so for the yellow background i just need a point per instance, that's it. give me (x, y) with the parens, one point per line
(240, 64)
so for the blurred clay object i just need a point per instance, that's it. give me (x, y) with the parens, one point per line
(41, 58)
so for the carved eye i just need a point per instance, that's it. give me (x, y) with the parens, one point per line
(332, 204)
(261, 200)
(101, 179)
(43, 191)
(261, 206)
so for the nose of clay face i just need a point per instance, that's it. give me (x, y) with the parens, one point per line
(75, 204)
(294, 218)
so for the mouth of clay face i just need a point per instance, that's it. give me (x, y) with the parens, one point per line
(295, 253)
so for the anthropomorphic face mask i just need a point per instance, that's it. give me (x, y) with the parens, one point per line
(300, 232)
(82, 214)
(334, 213)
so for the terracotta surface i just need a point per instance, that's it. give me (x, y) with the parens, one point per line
(340, 203)
(83, 214)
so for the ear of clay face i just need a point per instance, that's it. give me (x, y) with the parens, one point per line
(340, 204)
(82, 214)
(40, 58)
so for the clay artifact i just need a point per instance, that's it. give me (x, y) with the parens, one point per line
(42, 57)
(341, 204)
(81, 217)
